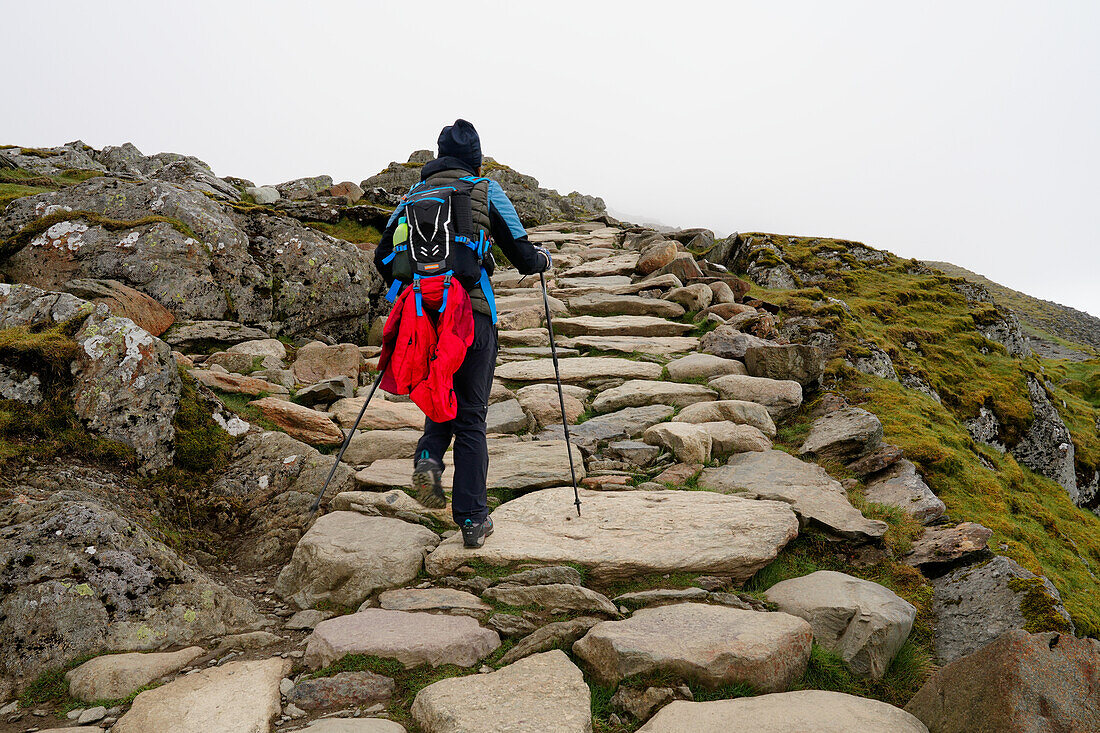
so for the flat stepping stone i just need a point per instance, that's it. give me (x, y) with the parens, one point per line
(236, 383)
(579, 369)
(609, 304)
(524, 337)
(368, 446)
(784, 712)
(346, 556)
(507, 417)
(620, 326)
(712, 645)
(444, 600)
(236, 696)
(815, 496)
(901, 486)
(410, 638)
(623, 534)
(651, 345)
(639, 392)
(619, 425)
(697, 366)
(544, 692)
(115, 676)
(596, 283)
(737, 411)
(620, 264)
(515, 465)
(781, 397)
(380, 415)
(863, 622)
(343, 690)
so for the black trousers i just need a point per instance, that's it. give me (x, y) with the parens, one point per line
(472, 383)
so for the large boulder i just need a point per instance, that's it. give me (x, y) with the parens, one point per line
(124, 301)
(79, 578)
(975, 604)
(689, 443)
(410, 638)
(901, 486)
(696, 366)
(194, 257)
(302, 423)
(237, 696)
(728, 438)
(845, 435)
(1047, 447)
(346, 556)
(729, 343)
(623, 534)
(711, 645)
(316, 362)
(863, 622)
(782, 397)
(543, 692)
(804, 364)
(785, 712)
(1019, 682)
(816, 497)
(126, 385)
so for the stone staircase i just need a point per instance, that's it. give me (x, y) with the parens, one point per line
(661, 403)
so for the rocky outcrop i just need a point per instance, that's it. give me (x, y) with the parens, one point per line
(975, 604)
(1047, 447)
(1021, 681)
(193, 256)
(79, 578)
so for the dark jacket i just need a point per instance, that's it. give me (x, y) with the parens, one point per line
(505, 229)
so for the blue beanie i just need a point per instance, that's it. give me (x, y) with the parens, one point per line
(460, 141)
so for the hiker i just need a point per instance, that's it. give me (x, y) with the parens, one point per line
(455, 214)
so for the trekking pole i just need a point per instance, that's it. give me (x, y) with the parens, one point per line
(344, 447)
(561, 394)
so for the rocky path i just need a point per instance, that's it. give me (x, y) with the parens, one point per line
(378, 620)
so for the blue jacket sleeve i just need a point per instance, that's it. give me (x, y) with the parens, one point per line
(509, 234)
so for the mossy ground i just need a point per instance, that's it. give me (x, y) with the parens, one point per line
(18, 183)
(349, 230)
(929, 330)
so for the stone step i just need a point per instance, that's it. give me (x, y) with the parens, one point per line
(606, 304)
(516, 465)
(639, 392)
(620, 326)
(578, 369)
(623, 534)
(650, 345)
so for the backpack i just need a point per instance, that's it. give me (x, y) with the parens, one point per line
(435, 234)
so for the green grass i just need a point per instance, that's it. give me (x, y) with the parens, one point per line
(18, 183)
(893, 303)
(349, 230)
(238, 404)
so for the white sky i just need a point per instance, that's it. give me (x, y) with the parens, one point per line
(959, 131)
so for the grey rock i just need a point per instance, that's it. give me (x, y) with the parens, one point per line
(901, 486)
(578, 370)
(559, 574)
(507, 417)
(346, 689)
(326, 391)
(1047, 447)
(975, 604)
(346, 556)
(634, 452)
(629, 422)
(781, 397)
(79, 578)
(741, 412)
(785, 712)
(939, 549)
(446, 600)
(846, 434)
(815, 497)
(303, 188)
(306, 619)
(609, 304)
(508, 625)
(540, 693)
(729, 343)
(115, 676)
(19, 385)
(558, 633)
(694, 366)
(641, 392)
(863, 622)
(804, 364)
(565, 596)
(986, 428)
(263, 194)
(712, 645)
(195, 335)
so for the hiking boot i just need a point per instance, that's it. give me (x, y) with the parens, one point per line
(428, 482)
(474, 533)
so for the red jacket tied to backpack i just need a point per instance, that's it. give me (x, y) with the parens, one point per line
(424, 342)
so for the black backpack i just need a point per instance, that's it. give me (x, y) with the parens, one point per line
(436, 237)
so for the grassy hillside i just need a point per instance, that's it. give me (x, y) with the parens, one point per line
(929, 331)
(1040, 318)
